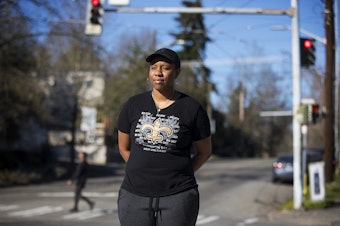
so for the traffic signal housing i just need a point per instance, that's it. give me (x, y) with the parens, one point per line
(94, 17)
(307, 52)
(314, 113)
(309, 113)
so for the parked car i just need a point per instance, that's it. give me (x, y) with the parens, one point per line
(283, 166)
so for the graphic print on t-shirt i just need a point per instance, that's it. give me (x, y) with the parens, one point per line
(157, 133)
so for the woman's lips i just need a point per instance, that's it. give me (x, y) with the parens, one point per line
(158, 80)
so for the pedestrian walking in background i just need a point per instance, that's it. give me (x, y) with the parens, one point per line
(156, 132)
(80, 177)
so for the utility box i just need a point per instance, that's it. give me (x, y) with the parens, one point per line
(317, 181)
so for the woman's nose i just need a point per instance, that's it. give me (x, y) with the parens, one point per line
(158, 72)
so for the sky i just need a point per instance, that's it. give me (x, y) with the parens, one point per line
(233, 36)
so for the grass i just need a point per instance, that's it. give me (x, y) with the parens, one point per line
(8, 177)
(332, 195)
(24, 177)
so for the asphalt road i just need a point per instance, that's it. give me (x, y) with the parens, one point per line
(233, 192)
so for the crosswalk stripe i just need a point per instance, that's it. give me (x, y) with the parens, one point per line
(36, 211)
(201, 219)
(8, 207)
(251, 220)
(71, 194)
(84, 215)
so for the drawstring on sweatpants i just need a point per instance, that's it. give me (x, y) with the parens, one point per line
(150, 207)
(156, 211)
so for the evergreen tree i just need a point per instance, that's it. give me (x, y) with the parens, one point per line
(195, 76)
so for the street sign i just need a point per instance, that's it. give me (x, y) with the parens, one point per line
(91, 29)
(118, 2)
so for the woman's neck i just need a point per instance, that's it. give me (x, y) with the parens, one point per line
(163, 100)
(163, 96)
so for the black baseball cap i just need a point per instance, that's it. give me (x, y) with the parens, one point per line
(167, 53)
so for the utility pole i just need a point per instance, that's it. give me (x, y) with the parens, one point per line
(336, 85)
(329, 155)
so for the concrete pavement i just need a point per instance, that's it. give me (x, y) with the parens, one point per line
(319, 217)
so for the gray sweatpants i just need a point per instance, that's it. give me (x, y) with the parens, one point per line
(174, 210)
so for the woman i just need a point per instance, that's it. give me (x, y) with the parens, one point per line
(156, 133)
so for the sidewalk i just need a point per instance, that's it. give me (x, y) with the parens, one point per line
(319, 217)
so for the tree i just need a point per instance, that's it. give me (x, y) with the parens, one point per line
(38, 52)
(260, 88)
(130, 76)
(74, 56)
(195, 77)
(20, 98)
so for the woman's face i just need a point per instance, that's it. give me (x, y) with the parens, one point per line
(162, 73)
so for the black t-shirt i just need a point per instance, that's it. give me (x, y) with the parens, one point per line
(161, 141)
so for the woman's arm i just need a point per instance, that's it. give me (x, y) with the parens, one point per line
(124, 145)
(203, 152)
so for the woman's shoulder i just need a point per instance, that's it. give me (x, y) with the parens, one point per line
(140, 96)
(186, 99)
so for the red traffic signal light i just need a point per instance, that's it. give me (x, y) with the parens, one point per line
(307, 43)
(96, 8)
(94, 17)
(95, 3)
(315, 113)
(307, 52)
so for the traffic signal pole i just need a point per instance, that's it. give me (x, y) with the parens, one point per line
(297, 176)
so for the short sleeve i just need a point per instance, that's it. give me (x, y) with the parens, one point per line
(123, 123)
(202, 125)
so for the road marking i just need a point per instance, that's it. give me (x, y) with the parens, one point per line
(201, 219)
(71, 194)
(84, 215)
(251, 220)
(8, 207)
(55, 194)
(248, 221)
(36, 211)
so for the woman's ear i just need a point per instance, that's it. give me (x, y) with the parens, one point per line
(178, 71)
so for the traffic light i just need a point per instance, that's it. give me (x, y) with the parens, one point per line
(307, 52)
(313, 113)
(94, 17)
